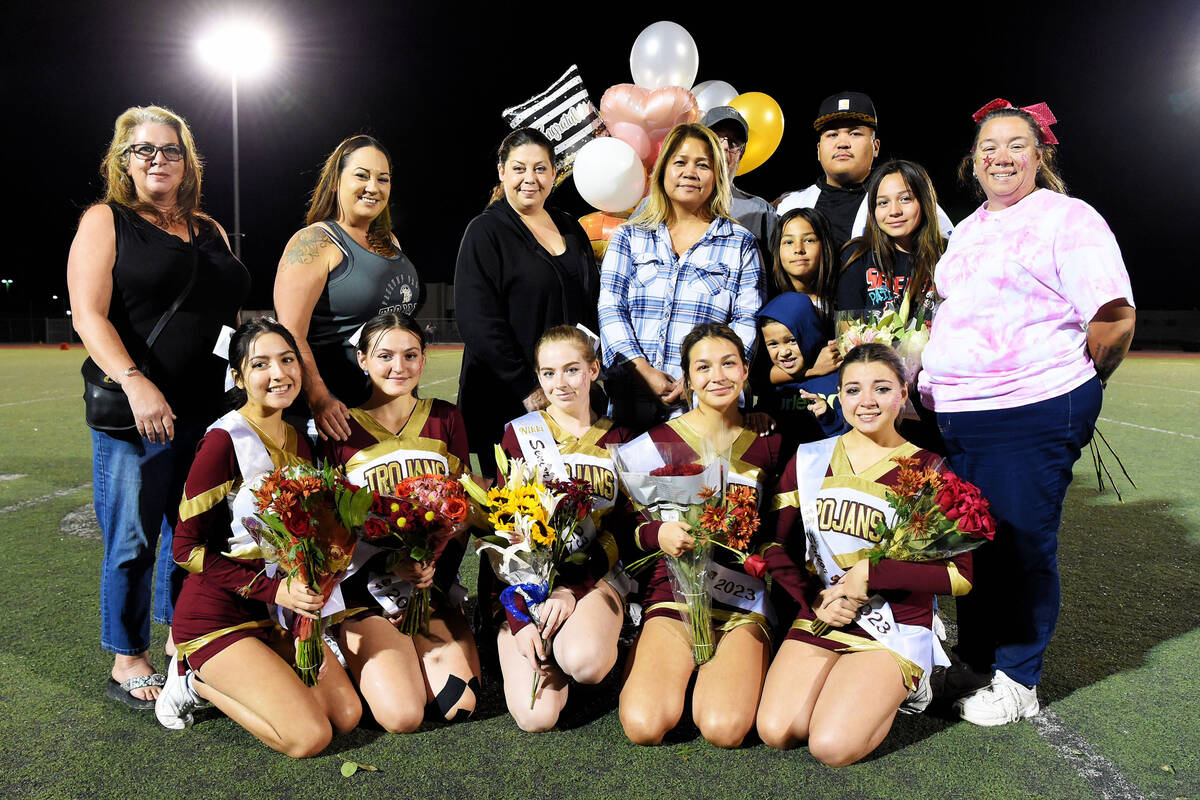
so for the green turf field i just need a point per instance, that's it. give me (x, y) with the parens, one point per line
(1121, 686)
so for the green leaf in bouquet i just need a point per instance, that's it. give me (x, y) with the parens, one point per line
(418, 553)
(578, 557)
(360, 506)
(496, 539)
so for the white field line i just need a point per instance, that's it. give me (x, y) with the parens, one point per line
(439, 380)
(1095, 769)
(4, 478)
(38, 400)
(1148, 428)
(1154, 386)
(33, 501)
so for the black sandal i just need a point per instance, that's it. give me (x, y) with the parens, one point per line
(123, 692)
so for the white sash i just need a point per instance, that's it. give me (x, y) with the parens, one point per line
(538, 445)
(913, 642)
(254, 462)
(740, 590)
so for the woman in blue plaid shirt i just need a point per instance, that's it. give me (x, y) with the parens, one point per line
(680, 263)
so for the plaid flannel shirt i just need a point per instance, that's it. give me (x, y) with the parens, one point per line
(650, 299)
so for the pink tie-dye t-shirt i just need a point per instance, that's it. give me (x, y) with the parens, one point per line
(1019, 286)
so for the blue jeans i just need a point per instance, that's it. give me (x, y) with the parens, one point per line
(136, 488)
(1021, 459)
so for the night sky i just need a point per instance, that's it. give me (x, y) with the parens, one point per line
(430, 79)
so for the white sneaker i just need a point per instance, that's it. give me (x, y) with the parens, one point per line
(999, 703)
(176, 701)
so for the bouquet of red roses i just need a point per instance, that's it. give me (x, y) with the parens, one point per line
(415, 524)
(938, 516)
(307, 524)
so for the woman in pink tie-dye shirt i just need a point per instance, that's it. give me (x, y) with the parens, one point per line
(1037, 314)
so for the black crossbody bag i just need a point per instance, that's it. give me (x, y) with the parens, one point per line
(106, 408)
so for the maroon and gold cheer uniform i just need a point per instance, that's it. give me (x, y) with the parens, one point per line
(587, 458)
(848, 507)
(754, 460)
(224, 598)
(432, 442)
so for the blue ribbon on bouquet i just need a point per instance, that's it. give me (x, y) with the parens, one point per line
(533, 593)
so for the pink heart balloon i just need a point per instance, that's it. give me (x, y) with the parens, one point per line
(632, 135)
(654, 111)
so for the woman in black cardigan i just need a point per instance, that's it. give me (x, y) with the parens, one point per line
(522, 268)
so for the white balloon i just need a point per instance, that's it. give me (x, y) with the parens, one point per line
(664, 54)
(609, 175)
(711, 94)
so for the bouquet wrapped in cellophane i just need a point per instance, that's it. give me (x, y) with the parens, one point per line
(938, 516)
(907, 334)
(668, 482)
(415, 524)
(308, 521)
(532, 523)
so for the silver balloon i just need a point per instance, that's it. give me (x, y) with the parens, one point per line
(664, 54)
(711, 94)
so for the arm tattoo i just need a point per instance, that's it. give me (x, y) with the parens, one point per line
(305, 247)
(1108, 357)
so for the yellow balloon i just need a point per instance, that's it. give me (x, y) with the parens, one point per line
(765, 118)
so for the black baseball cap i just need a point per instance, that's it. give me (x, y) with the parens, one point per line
(719, 114)
(846, 105)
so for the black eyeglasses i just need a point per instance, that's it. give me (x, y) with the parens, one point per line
(147, 152)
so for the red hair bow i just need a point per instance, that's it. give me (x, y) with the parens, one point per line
(1039, 111)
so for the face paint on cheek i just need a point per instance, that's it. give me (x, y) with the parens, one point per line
(1024, 161)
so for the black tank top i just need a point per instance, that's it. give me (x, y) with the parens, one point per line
(363, 285)
(151, 269)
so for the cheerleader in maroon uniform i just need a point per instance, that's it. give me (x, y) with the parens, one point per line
(223, 629)
(727, 688)
(586, 608)
(837, 682)
(393, 436)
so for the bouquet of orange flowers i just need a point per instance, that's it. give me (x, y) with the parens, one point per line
(938, 516)
(416, 523)
(308, 520)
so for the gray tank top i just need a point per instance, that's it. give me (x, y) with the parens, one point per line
(363, 285)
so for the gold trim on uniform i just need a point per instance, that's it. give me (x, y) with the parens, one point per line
(839, 462)
(586, 445)
(732, 619)
(609, 543)
(341, 616)
(280, 456)
(848, 560)
(958, 584)
(187, 648)
(637, 535)
(784, 500)
(858, 644)
(389, 442)
(203, 501)
(195, 560)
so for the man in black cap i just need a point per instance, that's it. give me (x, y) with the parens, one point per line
(846, 149)
(749, 211)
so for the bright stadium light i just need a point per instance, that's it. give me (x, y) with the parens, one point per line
(240, 49)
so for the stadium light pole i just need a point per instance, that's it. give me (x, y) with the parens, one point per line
(240, 49)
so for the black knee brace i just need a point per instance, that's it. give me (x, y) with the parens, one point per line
(452, 692)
